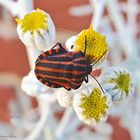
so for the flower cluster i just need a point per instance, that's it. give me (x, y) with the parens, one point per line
(118, 83)
(92, 107)
(91, 103)
(36, 30)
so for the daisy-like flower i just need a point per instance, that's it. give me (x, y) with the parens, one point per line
(96, 45)
(118, 83)
(36, 30)
(92, 106)
(64, 97)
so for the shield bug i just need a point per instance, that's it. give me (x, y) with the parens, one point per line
(59, 68)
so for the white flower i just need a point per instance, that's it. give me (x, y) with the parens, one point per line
(70, 42)
(64, 97)
(36, 30)
(33, 87)
(92, 105)
(118, 83)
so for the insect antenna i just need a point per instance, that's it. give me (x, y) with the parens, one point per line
(99, 59)
(98, 83)
(59, 44)
(85, 45)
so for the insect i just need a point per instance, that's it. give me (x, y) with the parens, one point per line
(59, 68)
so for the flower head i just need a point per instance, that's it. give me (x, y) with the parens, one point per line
(64, 97)
(36, 30)
(93, 106)
(118, 83)
(95, 43)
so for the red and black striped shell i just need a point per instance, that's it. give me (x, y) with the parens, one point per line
(59, 68)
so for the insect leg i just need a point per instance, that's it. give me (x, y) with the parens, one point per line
(86, 79)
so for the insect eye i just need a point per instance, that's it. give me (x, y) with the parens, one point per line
(71, 46)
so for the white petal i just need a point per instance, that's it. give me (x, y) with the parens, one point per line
(19, 31)
(108, 86)
(28, 40)
(70, 41)
(117, 97)
(39, 41)
(51, 29)
(64, 97)
(104, 118)
(89, 121)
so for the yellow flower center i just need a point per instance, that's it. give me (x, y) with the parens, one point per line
(33, 21)
(123, 82)
(96, 44)
(95, 105)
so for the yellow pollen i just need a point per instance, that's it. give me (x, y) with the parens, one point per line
(19, 21)
(95, 105)
(33, 21)
(123, 82)
(96, 44)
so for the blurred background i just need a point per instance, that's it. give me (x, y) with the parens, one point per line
(70, 17)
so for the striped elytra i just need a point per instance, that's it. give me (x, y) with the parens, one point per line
(59, 68)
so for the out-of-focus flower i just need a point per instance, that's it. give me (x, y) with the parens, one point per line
(96, 45)
(93, 106)
(117, 82)
(33, 87)
(36, 30)
(64, 97)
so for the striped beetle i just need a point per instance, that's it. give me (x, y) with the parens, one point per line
(59, 68)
